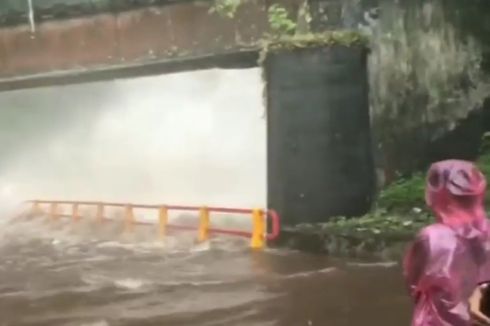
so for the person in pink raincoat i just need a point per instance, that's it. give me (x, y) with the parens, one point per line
(449, 260)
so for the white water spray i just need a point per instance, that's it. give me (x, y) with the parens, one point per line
(192, 138)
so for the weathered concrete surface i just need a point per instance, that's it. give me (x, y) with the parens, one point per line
(149, 40)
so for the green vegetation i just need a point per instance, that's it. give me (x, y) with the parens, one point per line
(379, 224)
(299, 41)
(484, 165)
(404, 195)
(286, 33)
(279, 21)
(484, 160)
(225, 8)
(380, 235)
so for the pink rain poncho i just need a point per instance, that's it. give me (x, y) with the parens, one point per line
(448, 259)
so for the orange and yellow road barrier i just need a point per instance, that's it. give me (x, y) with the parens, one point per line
(262, 220)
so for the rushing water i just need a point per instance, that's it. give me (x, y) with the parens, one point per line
(58, 274)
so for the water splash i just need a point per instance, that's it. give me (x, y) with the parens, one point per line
(143, 140)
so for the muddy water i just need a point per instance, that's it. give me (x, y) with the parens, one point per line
(55, 274)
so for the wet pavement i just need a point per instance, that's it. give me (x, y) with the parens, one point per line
(57, 274)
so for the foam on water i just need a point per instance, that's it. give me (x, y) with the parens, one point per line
(327, 270)
(385, 264)
(96, 323)
(130, 283)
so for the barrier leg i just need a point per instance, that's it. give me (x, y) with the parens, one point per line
(129, 219)
(36, 209)
(162, 221)
(53, 212)
(258, 233)
(100, 213)
(203, 225)
(74, 213)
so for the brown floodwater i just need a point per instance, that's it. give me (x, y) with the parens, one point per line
(56, 274)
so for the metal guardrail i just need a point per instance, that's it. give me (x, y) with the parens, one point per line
(258, 236)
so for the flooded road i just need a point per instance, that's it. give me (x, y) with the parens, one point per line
(61, 275)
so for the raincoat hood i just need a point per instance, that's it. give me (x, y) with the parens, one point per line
(455, 192)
